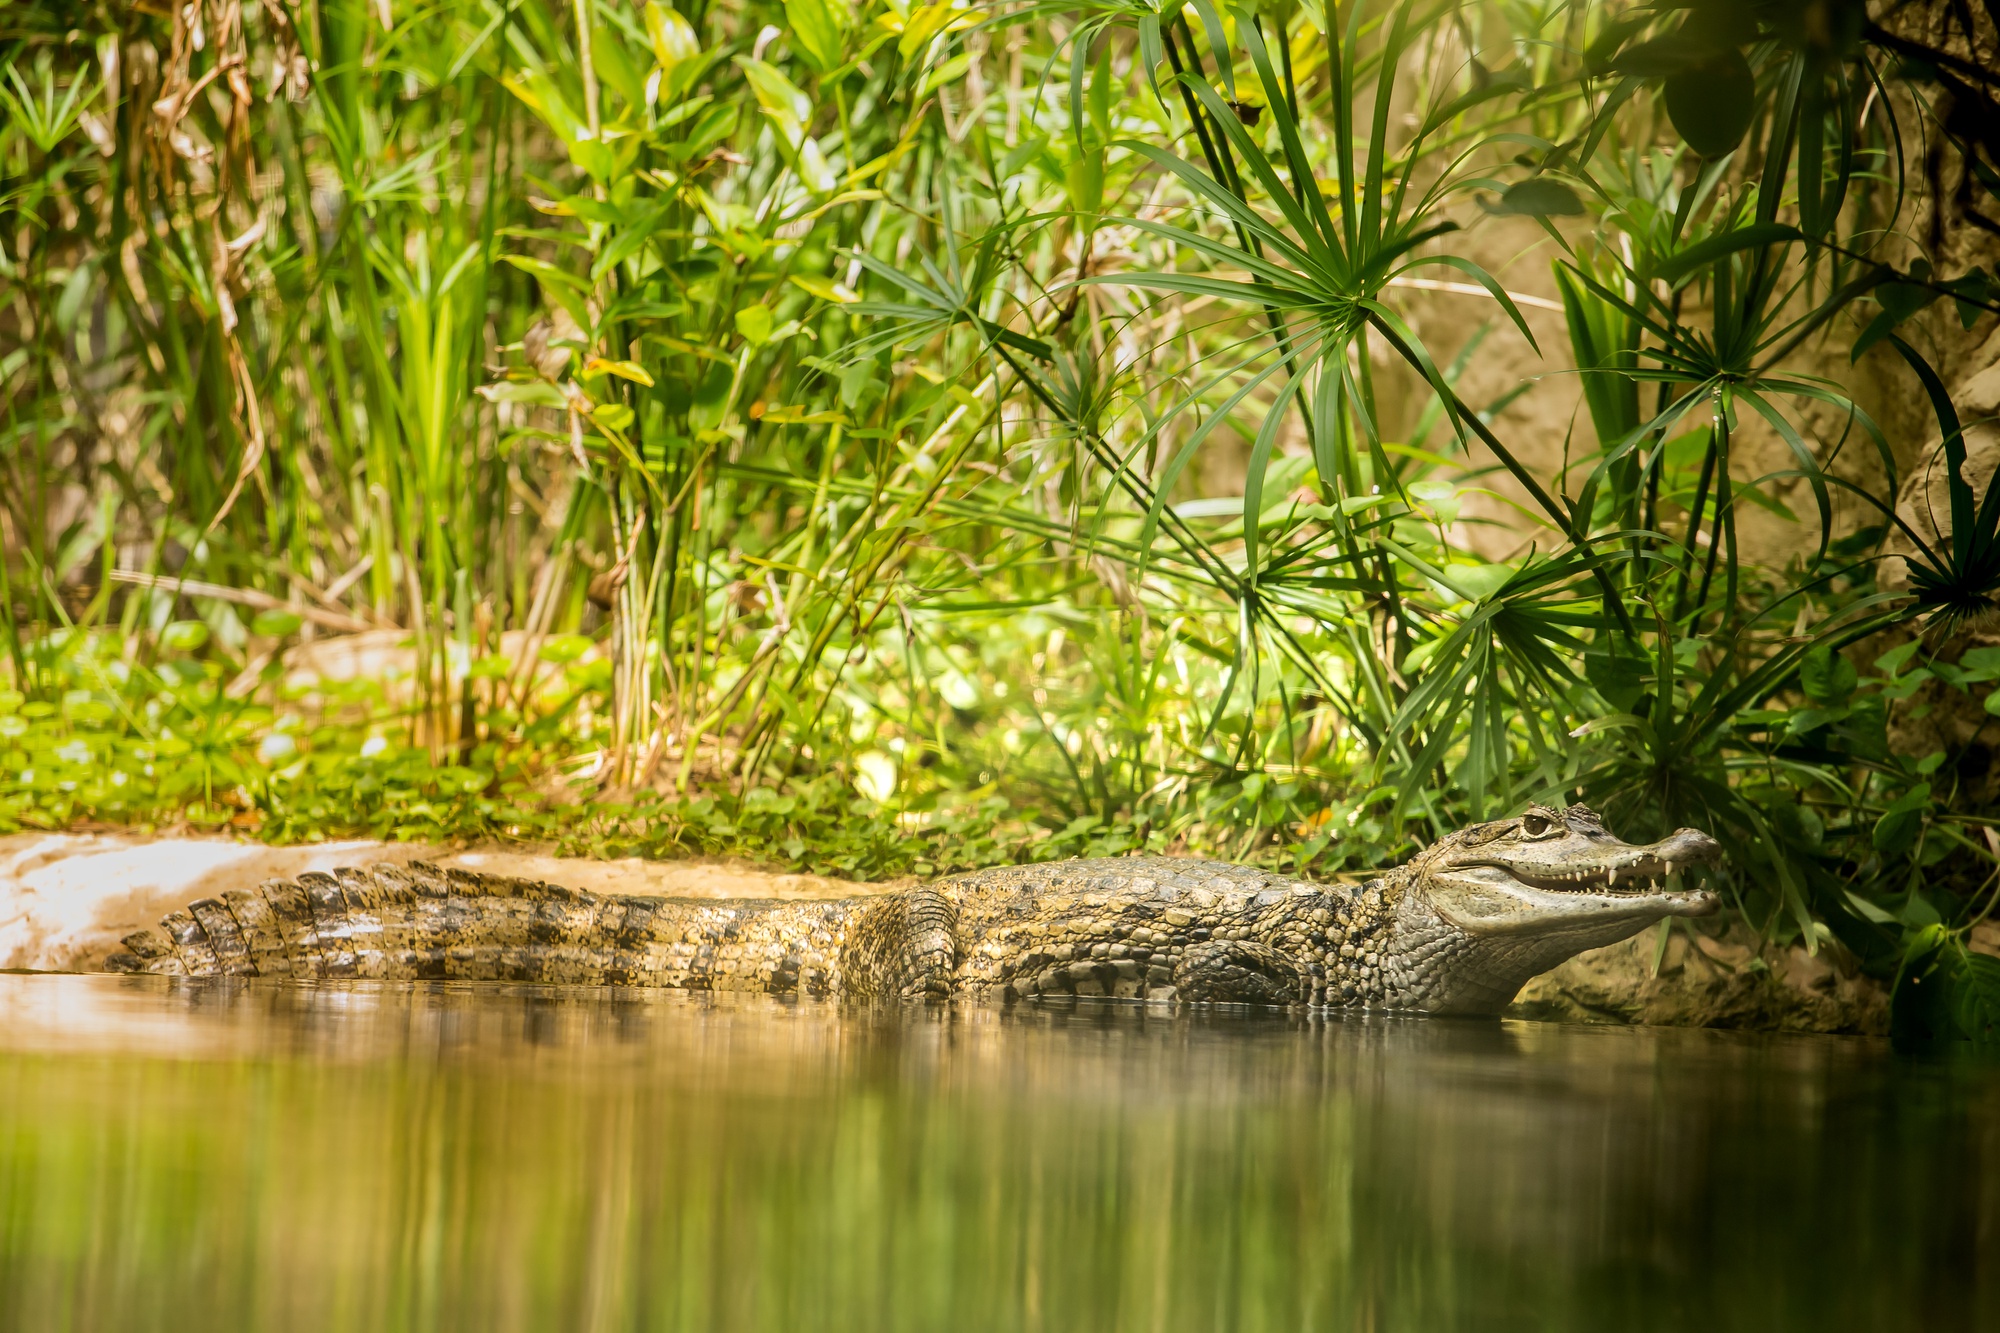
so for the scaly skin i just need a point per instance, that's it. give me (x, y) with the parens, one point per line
(1457, 930)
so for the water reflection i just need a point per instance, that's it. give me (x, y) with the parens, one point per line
(430, 1157)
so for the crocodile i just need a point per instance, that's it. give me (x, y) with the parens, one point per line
(1457, 930)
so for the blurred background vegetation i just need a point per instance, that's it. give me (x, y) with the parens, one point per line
(887, 437)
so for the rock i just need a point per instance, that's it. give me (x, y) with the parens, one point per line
(1978, 393)
(1724, 982)
(1924, 499)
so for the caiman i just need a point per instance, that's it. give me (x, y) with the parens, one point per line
(1457, 930)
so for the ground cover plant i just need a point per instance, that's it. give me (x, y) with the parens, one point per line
(884, 438)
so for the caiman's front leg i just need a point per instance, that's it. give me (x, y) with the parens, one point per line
(903, 946)
(1239, 972)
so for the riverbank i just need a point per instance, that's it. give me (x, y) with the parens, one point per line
(66, 899)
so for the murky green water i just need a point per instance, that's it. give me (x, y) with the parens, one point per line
(380, 1158)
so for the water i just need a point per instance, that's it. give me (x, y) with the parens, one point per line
(260, 1156)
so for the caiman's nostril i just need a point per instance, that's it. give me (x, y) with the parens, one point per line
(1692, 845)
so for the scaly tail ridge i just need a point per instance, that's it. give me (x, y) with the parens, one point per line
(232, 956)
(190, 941)
(259, 926)
(145, 951)
(418, 922)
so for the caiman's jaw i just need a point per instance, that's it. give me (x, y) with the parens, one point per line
(1560, 873)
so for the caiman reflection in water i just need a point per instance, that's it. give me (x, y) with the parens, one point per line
(224, 1154)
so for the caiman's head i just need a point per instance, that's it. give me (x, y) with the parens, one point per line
(1558, 870)
(1527, 893)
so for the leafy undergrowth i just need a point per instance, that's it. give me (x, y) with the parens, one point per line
(185, 746)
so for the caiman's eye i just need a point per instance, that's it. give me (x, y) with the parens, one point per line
(1535, 825)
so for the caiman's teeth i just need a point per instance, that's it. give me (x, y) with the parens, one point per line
(1611, 876)
(1670, 870)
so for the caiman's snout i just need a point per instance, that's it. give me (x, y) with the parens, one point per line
(1604, 863)
(1557, 869)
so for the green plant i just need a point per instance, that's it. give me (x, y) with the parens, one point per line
(884, 437)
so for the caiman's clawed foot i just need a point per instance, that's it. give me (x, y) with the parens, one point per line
(1239, 972)
(930, 947)
(904, 946)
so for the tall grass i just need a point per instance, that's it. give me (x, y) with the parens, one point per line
(954, 403)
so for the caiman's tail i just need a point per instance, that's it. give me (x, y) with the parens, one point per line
(418, 922)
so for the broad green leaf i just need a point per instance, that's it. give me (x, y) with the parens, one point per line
(615, 417)
(1826, 676)
(819, 31)
(1903, 299)
(1971, 294)
(547, 273)
(614, 62)
(925, 24)
(624, 370)
(275, 623)
(672, 37)
(813, 169)
(788, 108)
(547, 102)
(754, 322)
(1711, 103)
(184, 636)
(1893, 661)
(1868, 911)
(826, 289)
(949, 72)
(1538, 197)
(1084, 177)
(1897, 829)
